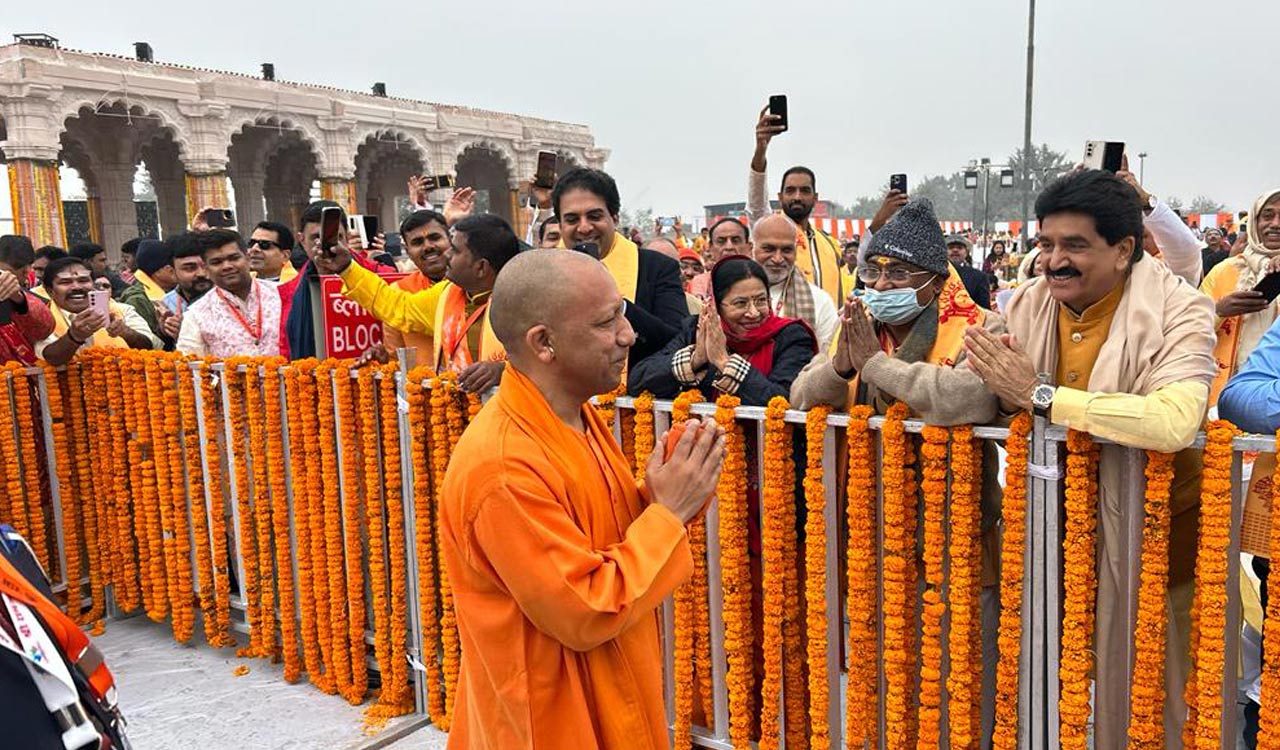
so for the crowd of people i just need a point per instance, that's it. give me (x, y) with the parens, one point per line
(1118, 320)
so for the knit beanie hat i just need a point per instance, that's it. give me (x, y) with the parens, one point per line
(153, 255)
(913, 235)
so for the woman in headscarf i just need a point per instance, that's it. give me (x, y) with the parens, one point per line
(737, 345)
(1243, 314)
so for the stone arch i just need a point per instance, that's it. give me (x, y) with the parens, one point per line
(489, 167)
(385, 159)
(272, 162)
(118, 104)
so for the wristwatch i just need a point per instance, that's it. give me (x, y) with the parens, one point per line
(1152, 202)
(1042, 399)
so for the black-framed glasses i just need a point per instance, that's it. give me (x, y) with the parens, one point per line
(264, 244)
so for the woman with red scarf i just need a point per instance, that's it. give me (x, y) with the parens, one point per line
(737, 346)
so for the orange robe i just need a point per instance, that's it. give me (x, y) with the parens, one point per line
(558, 564)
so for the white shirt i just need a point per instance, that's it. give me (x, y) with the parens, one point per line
(825, 318)
(1178, 244)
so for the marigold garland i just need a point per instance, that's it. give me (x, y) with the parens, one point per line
(449, 643)
(183, 614)
(353, 502)
(198, 499)
(148, 527)
(795, 687)
(735, 574)
(395, 698)
(862, 692)
(815, 587)
(125, 580)
(775, 499)
(262, 633)
(217, 626)
(316, 397)
(166, 477)
(434, 625)
(330, 524)
(964, 679)
(1209, 624)
(934, 452)
(238, 450)
(78, 374)
(1146, 709)
(607, 404)
(64, 470)
(301, 511)
(1269, 714)
(79, 552)
(690, 600)
(1080, 590)
(30, 432)
(278, 484)
(644, 437)
(17, 505)
(375, 514)
(899, 560)
(1012, 550)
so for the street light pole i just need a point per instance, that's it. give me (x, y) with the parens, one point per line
(1142, 167)
(1026, 127)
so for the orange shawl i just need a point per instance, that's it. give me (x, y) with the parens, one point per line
(558, 565)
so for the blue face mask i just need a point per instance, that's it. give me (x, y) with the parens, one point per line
(895, 306)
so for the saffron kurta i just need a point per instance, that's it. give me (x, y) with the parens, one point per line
(558, 564)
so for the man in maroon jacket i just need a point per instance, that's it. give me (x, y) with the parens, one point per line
(24, 318)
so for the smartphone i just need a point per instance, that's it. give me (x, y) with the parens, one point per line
(588, 248)
(436, 182)
(370, 228)
(545, 176)
(100, 301)
(778, 107)
(218, 218)
(1269, 287)
(898, 182)
(330, 223)
(1104, 155)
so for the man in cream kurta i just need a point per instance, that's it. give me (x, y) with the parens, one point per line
(1111, 342)
(557, 559)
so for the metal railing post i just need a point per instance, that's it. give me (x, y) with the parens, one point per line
(55, 493)
(231, 437)
(416, 655)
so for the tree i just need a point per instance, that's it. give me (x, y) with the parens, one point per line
(641, 218)
(1203, 204)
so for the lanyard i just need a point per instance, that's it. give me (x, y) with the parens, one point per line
(235, 310)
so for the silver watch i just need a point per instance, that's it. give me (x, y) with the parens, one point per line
(1042, 398)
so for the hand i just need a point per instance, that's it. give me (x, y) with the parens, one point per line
(1243, 302)
(10, 289)
(116, 327)
(170, 324)
(683, 482)
(333, 262)
(1124, 174)
(717, 348)
(862, 341)
(541, 196)
(354, 243)
(418, 190)
(377, 353)
(1003, 366)
(460, 205)
(86, 324)
(378, 245)
(481, 376)
(699, 360)
(198, 222)
(893, 200)
(1273, 266)
(678, 226)
(766, 128)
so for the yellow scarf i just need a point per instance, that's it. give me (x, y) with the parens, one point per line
(623, 262)
(100, 339)
(819, 261)
(154, 291)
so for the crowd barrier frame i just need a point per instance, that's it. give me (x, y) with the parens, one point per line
(1039, 685)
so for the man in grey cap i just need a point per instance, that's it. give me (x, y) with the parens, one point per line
(976, 283)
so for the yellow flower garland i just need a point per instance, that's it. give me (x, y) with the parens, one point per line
(217, 627)
(899, 560)
(644, 438)
(8, 443)
(934, 468)
(815, 588)
(433, 625)
(331, 525)
(862, 692)
(395, 698)
(375, 515)
(449, 644)
(735, 574)
(183, 615)
(607, 404)
(165, 479)
(195, 478)
(1146, 710)
(59, 400)
(1080, 590)
(263, 627)
(964, 680)
(687, 606)
(352, 500)
(31, 458)
(280, 517)
(317, 476)
(125, 565)
(1012, 550)
(1209, 626)
(87, 505)
(776, 496)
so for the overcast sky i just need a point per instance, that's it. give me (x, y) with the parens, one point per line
(673, 88)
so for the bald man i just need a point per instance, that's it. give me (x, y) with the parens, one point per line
(774, 247)
(557, 558)
(669, 249)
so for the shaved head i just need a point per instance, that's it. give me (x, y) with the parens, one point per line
(664, 246)
(541, 286)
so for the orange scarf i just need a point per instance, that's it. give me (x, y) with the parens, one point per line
(452, 325)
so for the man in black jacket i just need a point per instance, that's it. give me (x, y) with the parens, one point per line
(975, 281)
(587, 202)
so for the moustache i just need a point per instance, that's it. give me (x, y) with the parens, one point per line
(1066, 272)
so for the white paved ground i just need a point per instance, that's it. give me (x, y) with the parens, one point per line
(186, 698)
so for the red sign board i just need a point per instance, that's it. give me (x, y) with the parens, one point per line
(348, 328)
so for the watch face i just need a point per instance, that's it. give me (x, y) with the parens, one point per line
(1042, 396)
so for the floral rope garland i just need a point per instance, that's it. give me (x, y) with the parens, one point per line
(183, 614)
(316, 397)
(196, 485)
(395, 698)
(1210, 622)
(17, 506)
(964, 680)
(165, 479)
(31, 459)
(264, 624)
(1080, 591)
(687, 606)
(59, 401)
(1269, 713)
(353, 501)
(217, 626)
(375, 515)
(644, 437)
(899, 558)
(795, 688)
(449, 644)
(815, 587)
(1012, 550)
(87, 504)
(331, 524)
(775, 497)
(934, 452)
(607, 404)
(1146, 720)
(862, 692)
(238, 452)
(735, 574)
(433, 625)
(278, 484)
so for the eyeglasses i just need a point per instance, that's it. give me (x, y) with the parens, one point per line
(743, 304)
(264, 244)
(895, 274)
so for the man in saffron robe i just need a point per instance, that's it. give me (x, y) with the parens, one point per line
(558, 560)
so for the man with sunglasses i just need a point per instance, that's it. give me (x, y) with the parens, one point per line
(269, 248)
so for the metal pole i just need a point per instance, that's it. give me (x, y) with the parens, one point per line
(1026, 125)
(1142, 166)
(417, 649)
(55, 494)
(986, 203)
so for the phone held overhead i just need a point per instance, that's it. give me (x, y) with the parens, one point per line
(898, 182)
(545, 175)
(219, 218)
(778, 108)
(1104, 155)
(330, 225)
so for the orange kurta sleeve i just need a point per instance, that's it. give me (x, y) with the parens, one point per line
(580, 596)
